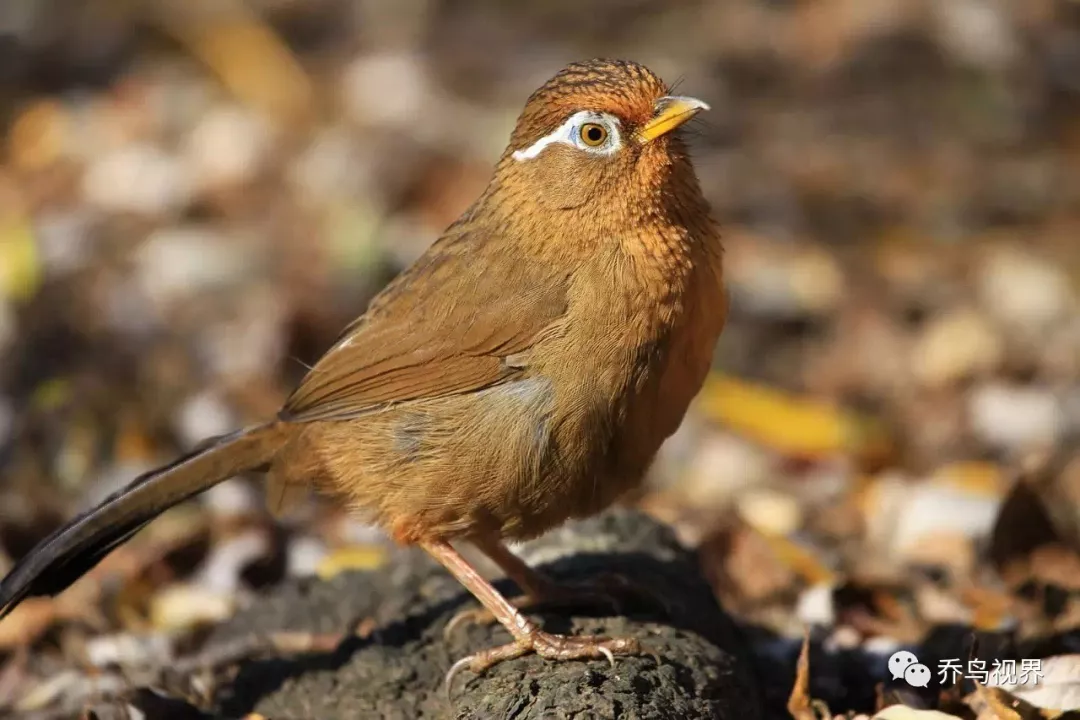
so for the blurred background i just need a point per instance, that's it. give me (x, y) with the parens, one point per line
(197, 195)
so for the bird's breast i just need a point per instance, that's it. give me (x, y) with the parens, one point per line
(641, 349)
(669, 379)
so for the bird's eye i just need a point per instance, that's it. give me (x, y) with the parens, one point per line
(593, 134)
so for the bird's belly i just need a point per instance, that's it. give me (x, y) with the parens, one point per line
(478, 464)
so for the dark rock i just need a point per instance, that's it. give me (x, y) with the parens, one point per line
(397, 672)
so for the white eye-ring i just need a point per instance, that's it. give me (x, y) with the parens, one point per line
(593, 132)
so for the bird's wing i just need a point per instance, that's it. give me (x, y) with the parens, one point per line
(444, 326)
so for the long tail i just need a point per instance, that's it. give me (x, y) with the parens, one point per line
(70, 552)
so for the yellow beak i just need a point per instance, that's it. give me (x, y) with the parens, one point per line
(671, 112)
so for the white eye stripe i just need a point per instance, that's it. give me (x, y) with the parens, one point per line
(569, 134)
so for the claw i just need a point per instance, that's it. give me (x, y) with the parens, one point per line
(551, 647)
(448, 682)
(460, 619)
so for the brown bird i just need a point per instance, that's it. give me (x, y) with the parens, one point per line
(523, 371)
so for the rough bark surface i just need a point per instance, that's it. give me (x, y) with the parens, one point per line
(701, 669)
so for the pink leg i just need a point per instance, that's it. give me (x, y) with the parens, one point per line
(528, 637)
(541, 591)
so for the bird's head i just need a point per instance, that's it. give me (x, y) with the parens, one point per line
(599, 136)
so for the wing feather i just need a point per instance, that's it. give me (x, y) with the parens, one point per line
(442, 327)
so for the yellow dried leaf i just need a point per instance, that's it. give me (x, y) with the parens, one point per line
(989, 609)
(799, 702)
(132, 443)
(978, 478)
(51, 394)
(181, 607)
(801, 560)
(787, 423)
(38, 136)
(245, 53)
(352, 557)
(131, 605)
(20, 267)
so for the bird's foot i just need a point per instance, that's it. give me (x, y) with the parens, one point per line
(549, 646)
(610, 590)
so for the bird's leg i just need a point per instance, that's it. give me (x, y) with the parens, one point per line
(533, 583)
(528, 637)
(539, 590)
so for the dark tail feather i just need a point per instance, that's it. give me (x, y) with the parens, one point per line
(70, 552)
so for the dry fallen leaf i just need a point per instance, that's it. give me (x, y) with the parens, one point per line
(983, 478)
(901, 514)
(742, 565)
(811, 569)
(70, 685)
(997, 704)
(800, 704)
(245, 52)
(792, 425)
(39, 135)
(352, 557)
(799, 701)
(27, 622)
(20, 266)
(183, 606)
(36, 615)
(989, 607)
(1056, 685)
